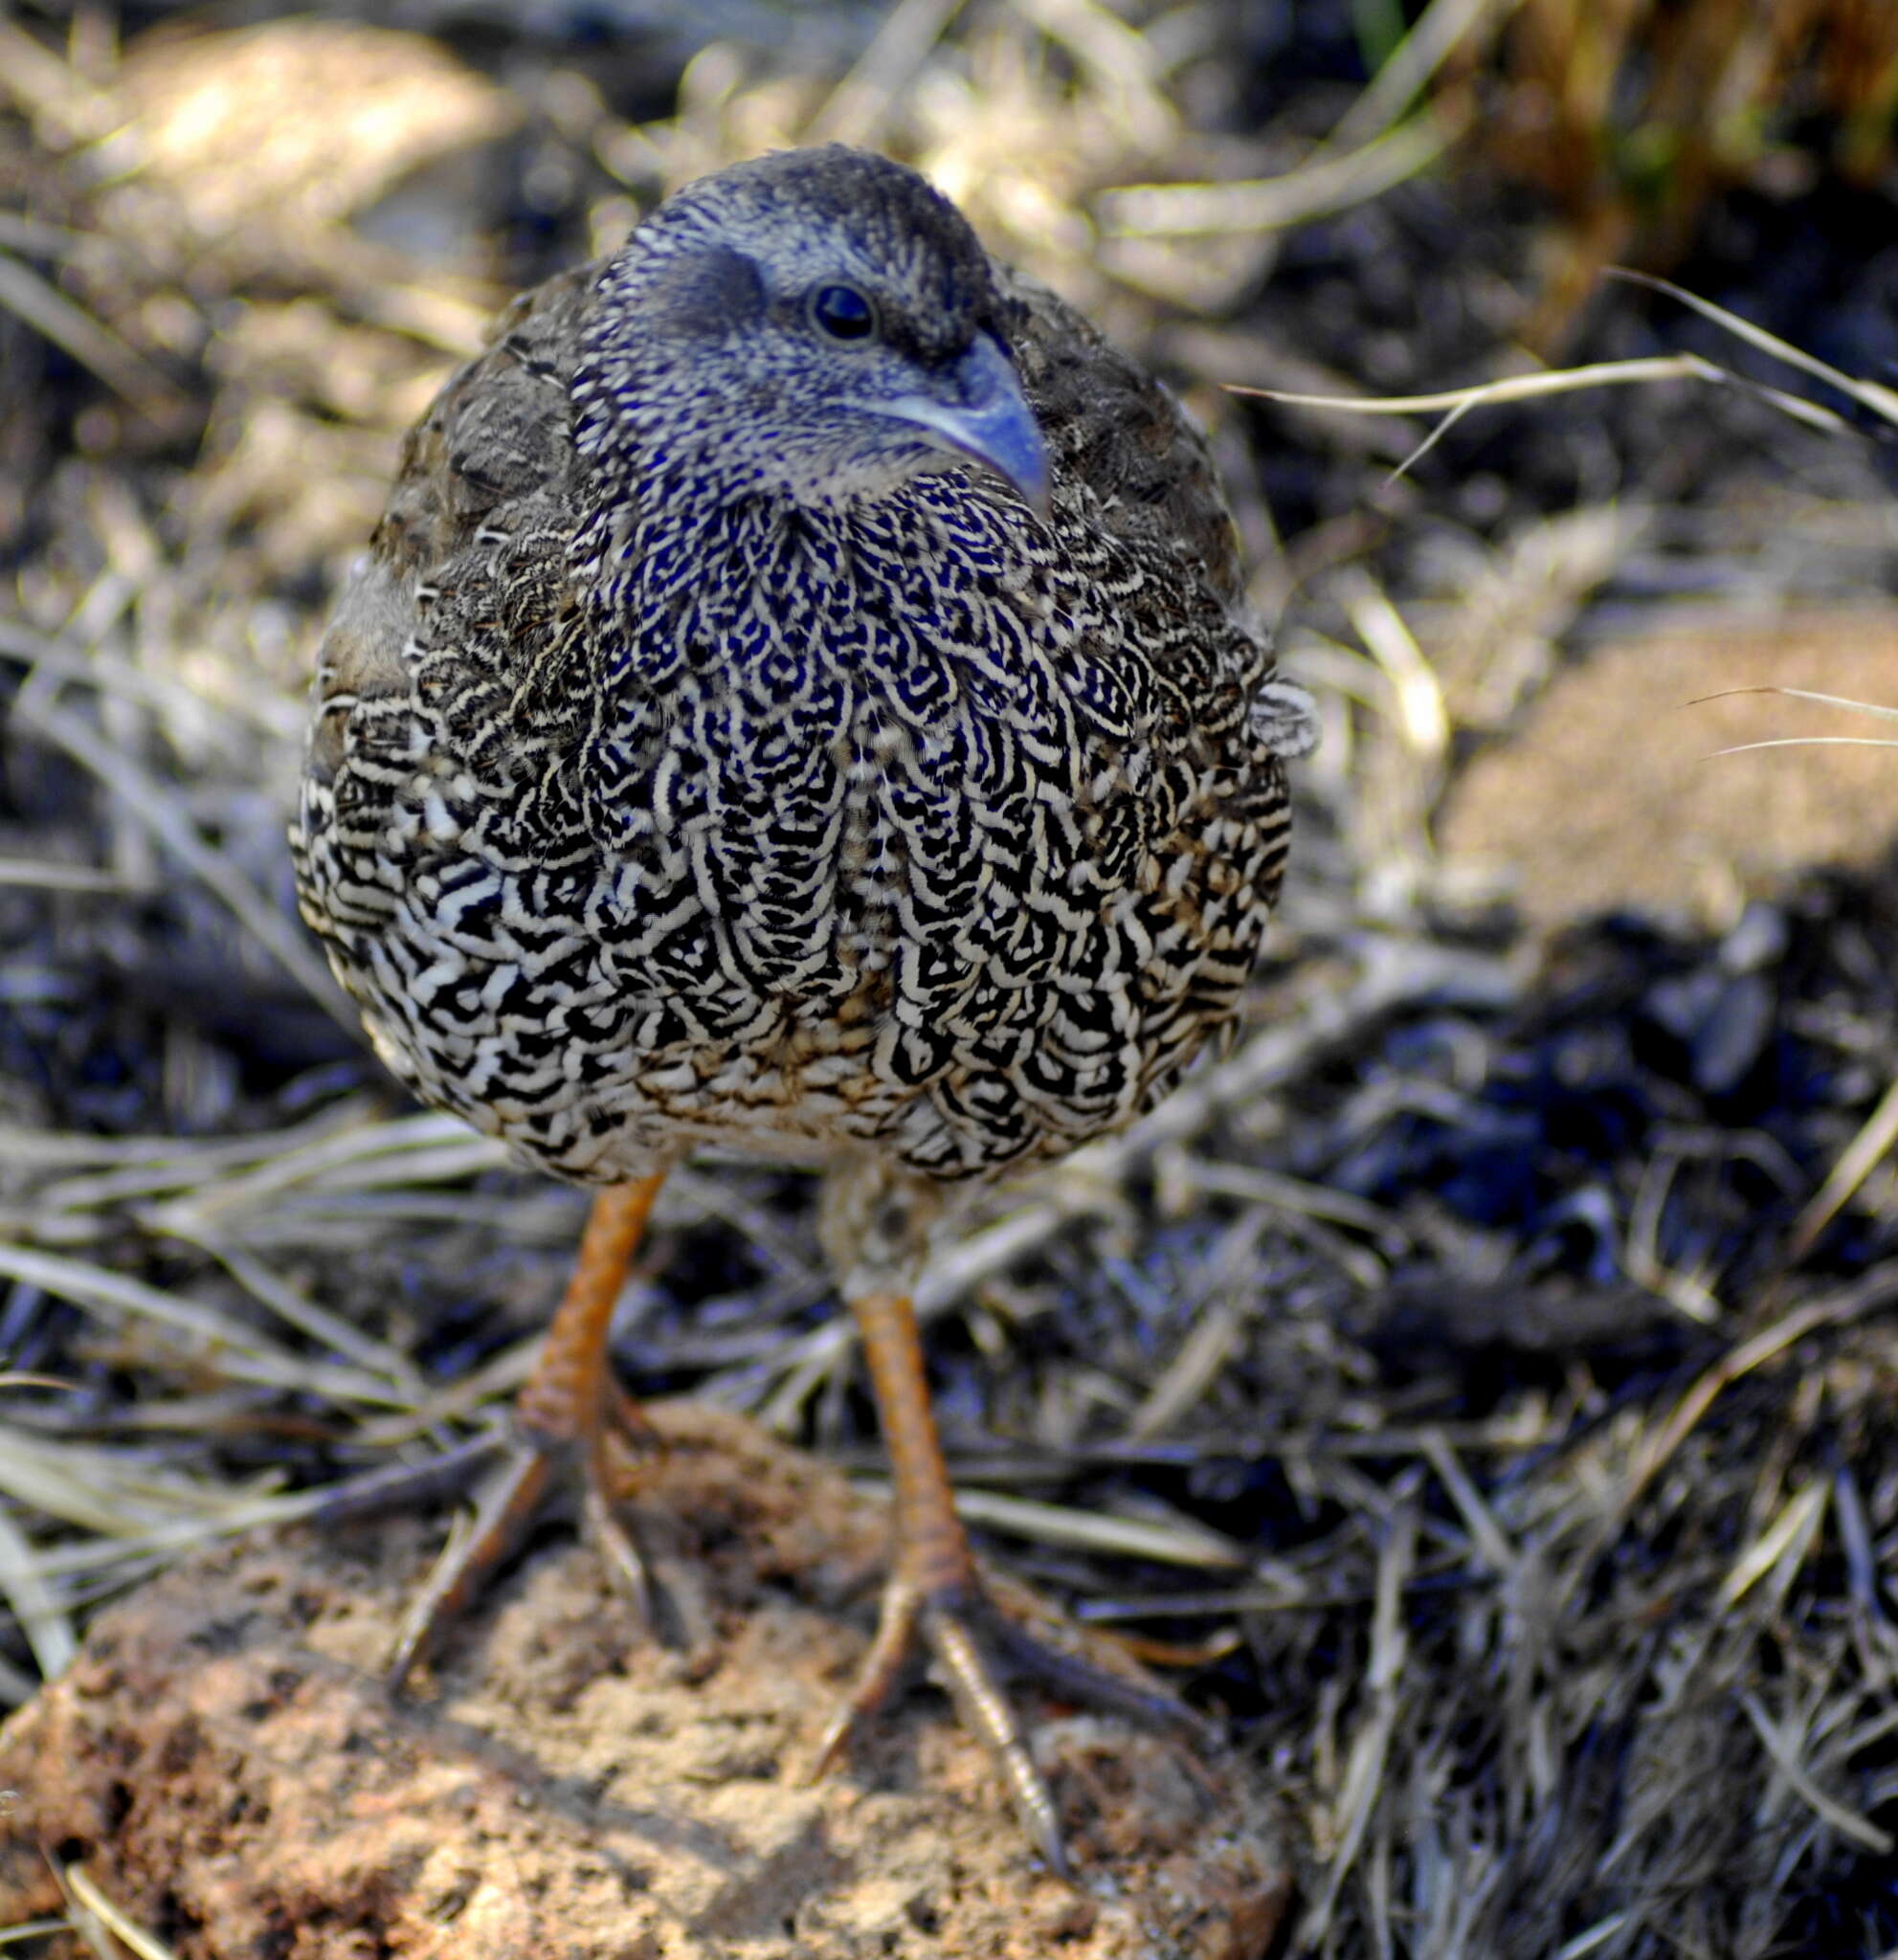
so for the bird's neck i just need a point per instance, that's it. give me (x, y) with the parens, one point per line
(697, 576)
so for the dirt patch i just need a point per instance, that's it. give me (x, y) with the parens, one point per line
(225, 1760)
(1611, 795)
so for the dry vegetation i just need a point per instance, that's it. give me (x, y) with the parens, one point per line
(1449, 1381)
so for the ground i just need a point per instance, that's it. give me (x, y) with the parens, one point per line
(226, 1745)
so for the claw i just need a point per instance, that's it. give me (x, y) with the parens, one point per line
(507, 1506)
(986, 1711)
(625, 1563)
(964, 1635)
(876, 1678)
(1078, 1680)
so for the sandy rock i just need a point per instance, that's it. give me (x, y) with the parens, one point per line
(226, 1762)
(1611, 792)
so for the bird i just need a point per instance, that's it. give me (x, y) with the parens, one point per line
(800, 698)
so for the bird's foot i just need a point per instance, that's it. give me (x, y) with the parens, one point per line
(935, 1594)
(537, 1474)
(572, 1419)
(965, 1634)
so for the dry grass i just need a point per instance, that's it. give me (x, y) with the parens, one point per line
(1635, 117)
(1593, 1656)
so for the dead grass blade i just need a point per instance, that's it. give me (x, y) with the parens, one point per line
(108, 1489)
(48, 1628)
(1119, 59)
(296, 1309)
(1457, 402)
(1436, 35)
(1421, 718)
(861, 103)
(1781, 1548)
(86, 1894)
(1782, 1744)
(240, 1352)
(165, 816)
(1881, 401)
(1831, 1310)
(1801, 741)
(1272, 203)
(1351, 1814)
(1177, 1542)
(1486, 1533)
(74, 330)
(346, 1164)
(40, 875)
(119, 1560)
(1511, 388)
(1830, 701)
(1875, 1137)
(1833, 700)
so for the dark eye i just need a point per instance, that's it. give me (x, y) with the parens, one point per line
(844, 313)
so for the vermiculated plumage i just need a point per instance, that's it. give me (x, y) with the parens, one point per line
(641, 813)
(710, 751)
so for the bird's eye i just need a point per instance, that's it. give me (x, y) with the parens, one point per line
(844, 313)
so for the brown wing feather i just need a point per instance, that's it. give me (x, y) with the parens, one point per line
(1112, 424)
(493, 455)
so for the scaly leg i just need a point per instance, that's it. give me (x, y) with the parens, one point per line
(569, 1414)
(935, 1592)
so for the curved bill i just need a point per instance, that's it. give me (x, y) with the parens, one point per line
(983, 414)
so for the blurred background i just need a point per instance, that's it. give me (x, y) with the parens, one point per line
(1523, 1267)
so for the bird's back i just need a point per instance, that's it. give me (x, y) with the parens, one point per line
(636, 818)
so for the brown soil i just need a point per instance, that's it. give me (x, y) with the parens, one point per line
(1611, 793)
(226, 1762)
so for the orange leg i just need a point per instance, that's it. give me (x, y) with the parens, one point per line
(934, 1592)
(570, 1411)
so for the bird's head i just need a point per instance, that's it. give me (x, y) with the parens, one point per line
(819, 323)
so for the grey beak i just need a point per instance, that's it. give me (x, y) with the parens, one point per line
(983, 414)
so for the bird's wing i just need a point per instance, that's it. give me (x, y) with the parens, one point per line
(485, 474)
(1112, 427)
(499, 433)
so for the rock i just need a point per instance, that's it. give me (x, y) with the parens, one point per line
(224, 1758)
(1611, 795)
